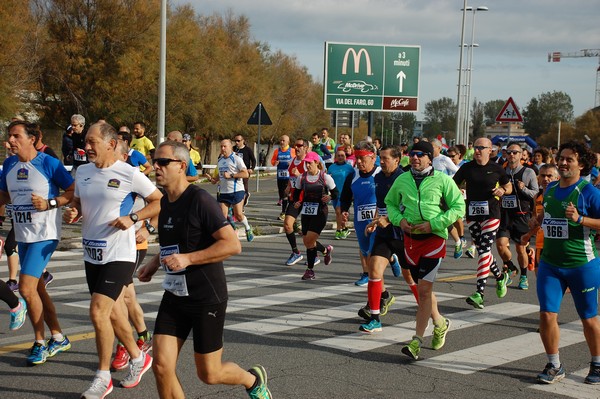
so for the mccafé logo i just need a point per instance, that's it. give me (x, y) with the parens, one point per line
(356, 58)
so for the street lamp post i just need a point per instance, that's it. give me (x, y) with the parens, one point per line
(460, 72)
(469, 72)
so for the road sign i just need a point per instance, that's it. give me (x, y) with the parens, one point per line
(259, 116)
(371, 77)
(509, 113)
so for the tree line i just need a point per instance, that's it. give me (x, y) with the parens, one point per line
(99, 58)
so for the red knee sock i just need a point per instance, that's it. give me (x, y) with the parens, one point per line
(374, 293)
(415, 291)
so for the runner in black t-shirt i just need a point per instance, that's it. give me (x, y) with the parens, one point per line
(195, 238)
(486, 183)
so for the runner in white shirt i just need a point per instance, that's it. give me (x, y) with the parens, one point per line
(231, 171)
(104, 196)
(31, 180)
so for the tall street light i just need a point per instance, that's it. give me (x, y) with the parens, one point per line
(469, 72)
(460, 72)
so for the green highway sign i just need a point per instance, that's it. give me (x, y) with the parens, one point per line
(371, 77)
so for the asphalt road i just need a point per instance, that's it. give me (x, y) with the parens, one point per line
(306, 332)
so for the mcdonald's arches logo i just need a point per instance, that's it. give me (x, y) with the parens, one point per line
(356, 57)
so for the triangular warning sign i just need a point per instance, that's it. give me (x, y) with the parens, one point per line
(509, 113)
(259, 116)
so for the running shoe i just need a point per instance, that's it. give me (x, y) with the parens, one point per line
(261, 390)
(412, 349)
(38, 354)
(593, 376)
(458, 249)
(395, 264)
(281, 216)
(523, 283)
(297, 228)
(463, 242)
(13, 285)
(17, 317)
(294, 258)
(439, 335)
(145, 343)
(279, 202)
(345, 233)
(249, 235)
(551, 374)
(476, 300)
(471, 251)
(371, 326)
(338, 234)
(363, 280)
(501, 286)
(317, 261)
(386, 303)
(327, 258)
(99, 389)
(55, 346)
(309, 274)
(365, 312)
(121, 359)
(136, 371)
(48, 278)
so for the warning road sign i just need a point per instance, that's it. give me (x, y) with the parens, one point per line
(509, 113)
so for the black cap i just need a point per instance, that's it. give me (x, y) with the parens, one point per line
(424, 146)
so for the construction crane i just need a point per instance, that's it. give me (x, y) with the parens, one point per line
(557, 55)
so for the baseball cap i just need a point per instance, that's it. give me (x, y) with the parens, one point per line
(312, 157)
(187, 137)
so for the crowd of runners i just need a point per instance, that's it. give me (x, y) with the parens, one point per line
(403, 203)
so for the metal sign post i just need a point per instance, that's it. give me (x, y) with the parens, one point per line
(259, 117)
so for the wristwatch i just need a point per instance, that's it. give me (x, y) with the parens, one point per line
(52, 203)
(134, 217)
(151, 229)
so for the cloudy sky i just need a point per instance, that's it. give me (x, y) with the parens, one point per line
(514, 37)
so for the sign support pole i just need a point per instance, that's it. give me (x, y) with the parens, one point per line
(258, 148)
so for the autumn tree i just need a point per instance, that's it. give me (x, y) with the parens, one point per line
(19, 42)
(440, 116)
(478, 119)
(491, 109)
(544, 112)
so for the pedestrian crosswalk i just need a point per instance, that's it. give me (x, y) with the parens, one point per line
(333, 306)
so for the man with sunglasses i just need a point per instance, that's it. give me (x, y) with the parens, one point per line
(104, 192)
(486, 183)
(195, 239)
(516, 213)
(243, 151)
(414, 203)
(359, 188)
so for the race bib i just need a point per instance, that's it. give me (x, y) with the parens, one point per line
(283, 173)
(382, 211)
(166, 251)
(176, 284)
(310, 208)
(94, 249)
(365, 212)
(479, 208)
(557, 229)
(8, 211)
(24, 214)
(509, 201)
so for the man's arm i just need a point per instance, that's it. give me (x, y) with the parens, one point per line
(147, 168)
(149, 211)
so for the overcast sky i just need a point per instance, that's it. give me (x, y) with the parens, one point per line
(514, 38)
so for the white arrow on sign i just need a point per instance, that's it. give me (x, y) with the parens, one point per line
(401, 76)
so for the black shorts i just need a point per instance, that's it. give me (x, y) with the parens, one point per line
(385, 247)
(110, 278)
(426, 269)
(513, 226)
(315, 223)
(292, 211)
(177, 317)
